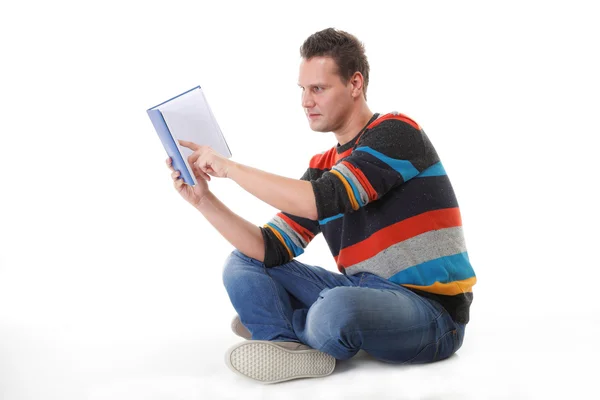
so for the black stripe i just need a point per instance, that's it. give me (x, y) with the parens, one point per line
(379, 174)
(457, 305)
(275, 252)
(400, 140)
(316, 173)
(412, 198)
(331, 196)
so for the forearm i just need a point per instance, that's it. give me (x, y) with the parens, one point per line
(293, 196)
(243, 235)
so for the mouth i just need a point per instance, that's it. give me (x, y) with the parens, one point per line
(313, 116)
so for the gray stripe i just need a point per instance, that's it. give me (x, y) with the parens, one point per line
(364, 197)
(419, 249)
(297, 239)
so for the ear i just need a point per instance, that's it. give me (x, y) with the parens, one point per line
(357, 81)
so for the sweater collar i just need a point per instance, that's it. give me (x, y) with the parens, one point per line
(346, 146)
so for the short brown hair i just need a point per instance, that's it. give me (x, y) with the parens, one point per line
(345, 49)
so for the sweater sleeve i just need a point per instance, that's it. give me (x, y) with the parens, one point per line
(392, 152)
(286, 235)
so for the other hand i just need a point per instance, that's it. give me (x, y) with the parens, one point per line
(192, 194)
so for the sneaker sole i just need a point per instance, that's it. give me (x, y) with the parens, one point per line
(266, 362)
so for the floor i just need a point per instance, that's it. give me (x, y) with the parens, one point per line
(177, 352)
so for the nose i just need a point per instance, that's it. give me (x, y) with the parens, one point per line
(307, 100)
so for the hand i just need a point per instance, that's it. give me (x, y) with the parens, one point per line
(207, 160)
(192, 194)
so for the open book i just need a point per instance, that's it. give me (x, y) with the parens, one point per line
(187, 117)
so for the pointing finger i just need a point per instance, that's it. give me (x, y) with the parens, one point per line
(189, 145)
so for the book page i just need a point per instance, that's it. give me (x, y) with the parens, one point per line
(189, 118)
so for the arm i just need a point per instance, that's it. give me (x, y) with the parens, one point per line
(289, 195)
(279, 241)
(243, 235)
(293, 196)
(387, 155)
(286, 235)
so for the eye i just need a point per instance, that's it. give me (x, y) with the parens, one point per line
(318, 89)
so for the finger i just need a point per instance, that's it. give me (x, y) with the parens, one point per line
(189, 145)
(196, 155)
(170, 164)
(203, 173)
(193, 157)
(204, 162)
(178, 183)
(175, 174)
(199, 172)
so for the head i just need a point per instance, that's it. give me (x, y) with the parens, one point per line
(334, 75)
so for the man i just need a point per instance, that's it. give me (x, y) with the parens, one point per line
(387, 210)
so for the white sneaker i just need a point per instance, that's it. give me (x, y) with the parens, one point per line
(271, 362)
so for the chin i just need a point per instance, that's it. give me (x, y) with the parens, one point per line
(318, 127)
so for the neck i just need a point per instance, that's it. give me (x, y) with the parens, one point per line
(353, 125)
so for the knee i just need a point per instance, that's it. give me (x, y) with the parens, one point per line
(237, 267)
(232, 267)
(334, 314)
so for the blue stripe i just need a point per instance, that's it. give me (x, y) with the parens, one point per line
(444, 270)
(326, 220)
(295, 249)
(403, 167)
(434, 170)
(354, 189)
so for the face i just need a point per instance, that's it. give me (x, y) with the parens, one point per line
(326, 101)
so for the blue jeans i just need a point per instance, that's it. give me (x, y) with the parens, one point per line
(339, 314)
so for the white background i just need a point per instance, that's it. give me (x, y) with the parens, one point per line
(110, 284)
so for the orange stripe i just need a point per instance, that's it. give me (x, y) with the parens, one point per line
(362, 179)
(281, 240)
(342, 155)
(447, 289)
(398, 232)
(323, 161)
(302, 231)
(349, 191)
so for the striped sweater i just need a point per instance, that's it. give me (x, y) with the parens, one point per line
(385, 206)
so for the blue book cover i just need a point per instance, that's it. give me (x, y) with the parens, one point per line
(187, 117)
